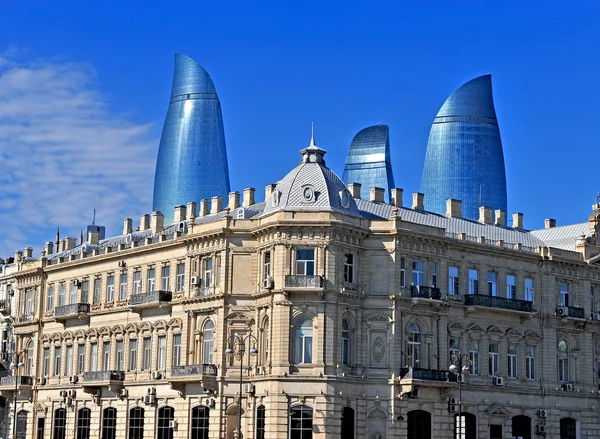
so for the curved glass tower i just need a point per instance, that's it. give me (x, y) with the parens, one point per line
(368, 161)
(464, 158)
(192, 157)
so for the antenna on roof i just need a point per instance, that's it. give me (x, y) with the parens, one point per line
(479, 205)
(94, 219)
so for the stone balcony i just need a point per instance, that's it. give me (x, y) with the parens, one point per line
(113, 379)
(22, 384)
(415, 373)
(154, 299)
(303, 281)
(499, 303)
(423, 292)
(72, 311)
(205, 373)
(5, 307)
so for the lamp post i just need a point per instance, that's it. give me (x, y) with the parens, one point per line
(461, 365)
(237, 348)
(14, 365)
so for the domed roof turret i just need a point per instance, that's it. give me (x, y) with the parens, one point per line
(311, 186)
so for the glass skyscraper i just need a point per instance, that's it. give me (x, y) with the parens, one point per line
(464, 158)
(368, 161)
(192, 157)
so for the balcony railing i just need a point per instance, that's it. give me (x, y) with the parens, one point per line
(194, 370)
(16, 381)
(151, 299)
(498, 302)
(26, 318)
(100, 376)
(424, 292)
(426, 374)
(73, 310)
(303, 281)
(570, 311)
(4, 306)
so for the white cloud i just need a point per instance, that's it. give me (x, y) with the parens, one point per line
(63, 154)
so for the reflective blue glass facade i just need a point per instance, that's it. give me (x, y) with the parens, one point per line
(464, 158)
(368, 161)
(192, 157)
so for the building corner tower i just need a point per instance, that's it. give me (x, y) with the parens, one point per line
(192, 156)
(464, 158)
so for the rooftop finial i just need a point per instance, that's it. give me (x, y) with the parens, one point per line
(94, 219)
(312, 137)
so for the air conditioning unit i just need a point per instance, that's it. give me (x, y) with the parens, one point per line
(72, 394)
(562, 311)
(209, 402)
(268, 284)
(149, 399)
(173, 425)
(196, 281)
(122, 264)
(498, 381)
(96, 394)
(156, 375)
(75, 282)
(567, 387)
(460, 378)
(69, 401)
(414, 393)
(123, 393)
(41, 381)
(453, 401)
(151, 390)
(250, 388)
(73, 379)
(540, 429)
(63, 393)
(542, 413)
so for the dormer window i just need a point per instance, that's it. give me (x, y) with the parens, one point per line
(308, 194)
(344, 198)
(275, 198)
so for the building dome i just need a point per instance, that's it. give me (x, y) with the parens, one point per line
(311, 186)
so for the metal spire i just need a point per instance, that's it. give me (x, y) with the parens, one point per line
(312, 137)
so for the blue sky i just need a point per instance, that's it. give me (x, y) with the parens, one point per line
(84, 88)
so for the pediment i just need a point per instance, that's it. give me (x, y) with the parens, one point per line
(117, 329)
(494, 330)
(174, 323)
(498, 410)
(476, 328)
(533, 336)
(131, 328)
(456, 327)
(161, 324)
(514, 334)
(378, 318)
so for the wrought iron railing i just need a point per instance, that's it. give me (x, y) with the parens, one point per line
(426, 374)
(303, 281)
(570, 311)
(498, 302)
(150, 298)
(194, 369)
(72, 309)
(424, 292)
(104, 375)
(16, 380)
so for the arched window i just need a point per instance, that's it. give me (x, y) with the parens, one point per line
(208, 342)
(419, 424)
(521, 427)
(303, 341)
(266, 341)
(467, 428)
(83, 423)
(22, 424)
(109, 423)
(261, 417)
(30, 356)
(136, 423)
(301, 422)
(348, 423)
(60, 422)
(164, 429)
(568, 428)
(413, 349)
(563, 361)
(345, 343)
(200, 422)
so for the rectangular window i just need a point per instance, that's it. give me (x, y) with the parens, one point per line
(563, 369)
(434, 274)
(493, 359)
(180, 282)
(349, 268)
(305, 261)
(492, 284)
(137, 282)
(165, 281)
(123, 287)
(147, 353)
(512, 362)
(266, 265)
(473, 281)
(30, 301)
(50, 299)
(162, 352)
(454, 348)
(57, 359)
(453, 285)
(176, 349)
(592, 300)
(69, 359)
(208, 272)
(106, 355)
(94, 357)
(402, 272)
(85, 291)
(80, 358)
(110, 289)
(61, 294)
(474, 357)
(133, 354)
(97, 291)
(529, 289)
(73, 292)
(530, 362)
(417, 273)
(119, 365)
(564, 294)
(46, 363)
(511, 287)
(151, 279)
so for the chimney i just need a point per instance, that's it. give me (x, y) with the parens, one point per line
(203, 207)
(485, 215)
(127, 226)
(549, 223)
(49, 248)
(192, 208)
(517, 220)
(248, 197)
(28, 252)
(500, 217)
(93, 237)
(216, 205)
(144, 222)
(62, 246)
(234, 200)
(396, 198)
(418, 199)
(269, 190)
(179, 214)
(454, 208)
(354, 189)
(377, 194)
(70, 243)
(157, 223)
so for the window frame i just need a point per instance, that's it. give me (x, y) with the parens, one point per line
(473, 281)
(493, 359)
(304, 267)
(349, 277)
(530, 362)
(453, 281)
(109, 423)
(418, 275)
(303, 342)
(345, 342)
(180, 277)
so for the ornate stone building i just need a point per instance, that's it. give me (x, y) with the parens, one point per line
(328, 316)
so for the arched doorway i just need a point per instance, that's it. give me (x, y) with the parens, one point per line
(521, 427)
(232, 422)
(347, 423)
(377, 424)
(419, 424)
(470, 426)
(568, 428)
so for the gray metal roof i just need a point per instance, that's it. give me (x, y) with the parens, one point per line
(563, 237)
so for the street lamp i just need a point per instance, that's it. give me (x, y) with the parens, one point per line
(14, 365)
(237, 348)
(461, 365)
